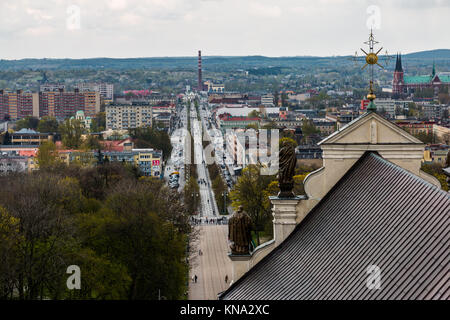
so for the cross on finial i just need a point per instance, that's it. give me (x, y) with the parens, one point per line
(371, 60)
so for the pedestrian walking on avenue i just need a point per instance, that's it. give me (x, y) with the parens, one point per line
(195, 278)
(226, 278)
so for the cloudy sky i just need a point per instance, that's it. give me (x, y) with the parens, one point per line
(151, 28)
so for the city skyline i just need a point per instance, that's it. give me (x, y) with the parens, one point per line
(156, 28)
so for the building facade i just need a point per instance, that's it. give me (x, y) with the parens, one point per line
(106, 90)
(402, 84)
(27, 137)
(62, 104)
(18, 104)
(128, 116)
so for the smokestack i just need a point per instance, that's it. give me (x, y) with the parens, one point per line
(200, 82)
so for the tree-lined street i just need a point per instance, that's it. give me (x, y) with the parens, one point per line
(211, 264)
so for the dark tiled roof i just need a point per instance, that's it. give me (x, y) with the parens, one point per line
(378, 214)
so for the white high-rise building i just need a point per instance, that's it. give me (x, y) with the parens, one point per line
(106, 90)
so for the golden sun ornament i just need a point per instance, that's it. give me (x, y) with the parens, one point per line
(371, 60)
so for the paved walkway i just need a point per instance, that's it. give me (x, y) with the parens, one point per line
(213, 265)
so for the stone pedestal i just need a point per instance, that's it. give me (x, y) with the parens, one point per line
(284, 217)
(284, 222)
(240, 265)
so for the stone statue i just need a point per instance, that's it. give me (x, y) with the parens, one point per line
(287, 164)
(239, 232)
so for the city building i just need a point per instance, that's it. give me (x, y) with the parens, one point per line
(19, 150)
(409, 84)
(267, 100)
(18, 104)
(345, 117)
(226, 121)
(214, 87)
(10, 164)
(128, 116)
(61, 104)
(85, 121)
(326, 127)
(29, 137)
(436, 154)
(52, 87)
(106, 90)
(416, 127)
(308, 152)
(149, 161)
(433, 111)
(238, 145)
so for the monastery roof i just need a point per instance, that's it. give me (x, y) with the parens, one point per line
(378, 214)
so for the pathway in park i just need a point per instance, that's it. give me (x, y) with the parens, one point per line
(211, 267)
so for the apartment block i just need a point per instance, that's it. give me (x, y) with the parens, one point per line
(64, 104)
(128, 116)
(267, 100)
(19, 104)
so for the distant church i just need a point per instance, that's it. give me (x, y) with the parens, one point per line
(406, 85)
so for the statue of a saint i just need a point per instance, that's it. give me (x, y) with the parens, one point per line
(287, 163)
(239, 232)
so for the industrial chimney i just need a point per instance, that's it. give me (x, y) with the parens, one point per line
(200, 82)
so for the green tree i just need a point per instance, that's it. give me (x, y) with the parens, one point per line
(132, 231)
(248, 192)
(99, 122)
(10, 239)
(425, 137)
(42, 204)
(150, 137)
(47, 155)
(308, 128)
(254, 114)
(436, 171)
(27, 123)
(71, 131)
(48, 125)
(192, 195)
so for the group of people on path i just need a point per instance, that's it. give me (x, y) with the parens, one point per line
(215, 221)
(194, 278)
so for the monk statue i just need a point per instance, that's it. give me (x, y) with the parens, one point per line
(239, 232)
(286, 172)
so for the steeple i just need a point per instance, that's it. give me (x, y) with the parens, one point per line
(434, 70)
(398, 63)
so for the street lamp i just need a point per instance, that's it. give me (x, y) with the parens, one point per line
(224, 194)
(194, 195)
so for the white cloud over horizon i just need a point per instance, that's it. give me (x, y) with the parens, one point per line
(151, 28)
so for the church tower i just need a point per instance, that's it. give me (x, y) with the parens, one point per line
(397, 83)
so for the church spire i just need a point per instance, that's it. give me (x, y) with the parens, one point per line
(398, 65)
(434, 70)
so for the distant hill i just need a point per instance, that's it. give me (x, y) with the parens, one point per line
(244, 62)
(430, 54)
